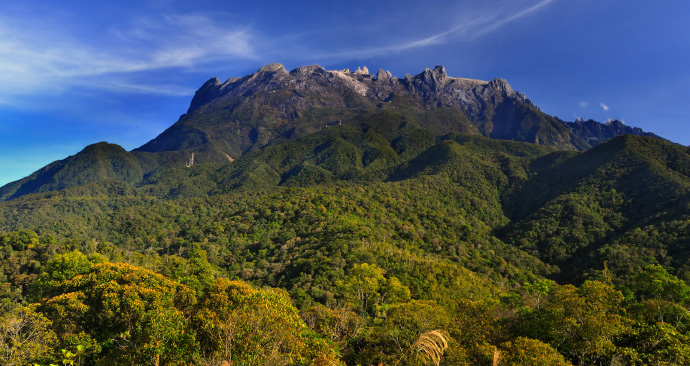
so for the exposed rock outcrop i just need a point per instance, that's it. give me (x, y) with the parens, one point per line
(273, 104)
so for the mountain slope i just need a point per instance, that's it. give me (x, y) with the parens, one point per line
(245, 115)
(574, 208)
(595, 133)
(273, 104)
(96, 162)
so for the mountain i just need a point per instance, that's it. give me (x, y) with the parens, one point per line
(595, 133)
(272, 105)
(565, 212)
(233, 117)
(580, 211)
(369, 218)
(94, 163)
(228, 119)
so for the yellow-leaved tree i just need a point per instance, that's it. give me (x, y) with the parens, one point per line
(123, 315)
(246, 326)
(25, 336)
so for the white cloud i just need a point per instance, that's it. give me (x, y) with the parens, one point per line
(42, 56)
(604, 106)
(584, 104)
(503, 21)
(478, 25)
(169, 90)
(35, 59)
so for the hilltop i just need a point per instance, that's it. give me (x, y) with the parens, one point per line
(242, 115)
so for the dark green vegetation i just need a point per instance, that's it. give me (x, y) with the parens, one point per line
(270, 107)
(456, 233)
(358, 240)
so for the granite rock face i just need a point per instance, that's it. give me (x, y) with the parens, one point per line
(433, 87)
(272, 104)
(245, 115)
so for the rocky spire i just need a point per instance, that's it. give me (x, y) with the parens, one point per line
(209, 91)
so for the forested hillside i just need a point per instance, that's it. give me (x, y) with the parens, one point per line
(337, 218)
(227, 120)
(461, 234)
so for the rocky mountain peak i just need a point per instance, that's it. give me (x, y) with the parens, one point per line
(274, 67)
(440, 70)
(209, 91)
(501, 84)
(308, 70)
(362, 71)
(383, 75)
(230, 81)
(431, 80)
(273, 104)
(214, 81)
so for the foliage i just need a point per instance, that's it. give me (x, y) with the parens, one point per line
(245, 326)
(377, 236)
(430, 346)
(529, 352)
(129, 314)
(25, 337)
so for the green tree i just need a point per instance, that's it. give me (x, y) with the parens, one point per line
(388, 338)
(197, 273)
(654, 282)
(539, 290)
(134, 316)
(244, 326)
(582, 323)
(366, 288)
(61, 268)
(529, 352)
(338, 325)
(654, 344)
(25, 337)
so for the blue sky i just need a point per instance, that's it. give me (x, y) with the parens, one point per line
(74, 73)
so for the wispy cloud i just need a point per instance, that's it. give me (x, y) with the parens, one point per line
(151, 89)
(49, 58)
(604, 106)
(584, 104)
(498, 23)
(43, 60)
(478, 25)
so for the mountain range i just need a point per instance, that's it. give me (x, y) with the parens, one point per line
(311, 127)
(227, 120)
(371, 213)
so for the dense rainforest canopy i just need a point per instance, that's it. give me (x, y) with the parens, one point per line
(321, 226)
(510, 251)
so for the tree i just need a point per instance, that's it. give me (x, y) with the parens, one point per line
(338, 325)
(62, 268)
(244, 326)
(580, 322)
(366, 288)
(539, 289)
(655, 344)
(529, 352)
(395, 336)
(25, 337)
(654, 282)
(197, 273)
(130, 315)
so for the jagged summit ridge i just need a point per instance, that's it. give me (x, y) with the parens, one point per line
(246, 115)
(434, 86)
(273, 104)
